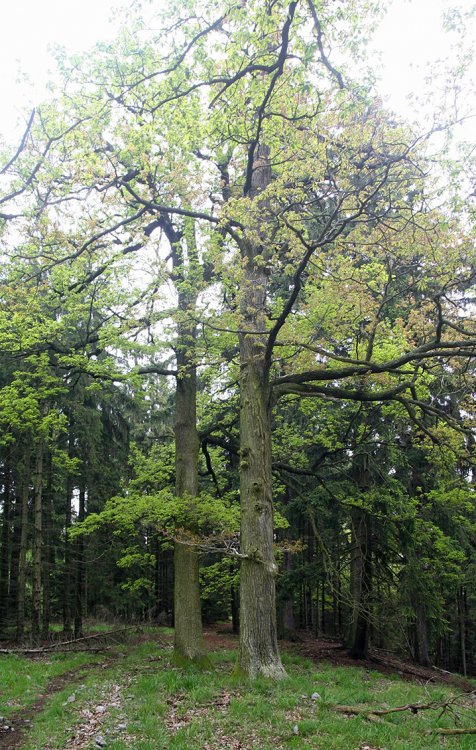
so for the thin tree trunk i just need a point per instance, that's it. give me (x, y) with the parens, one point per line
(318, 616)
(421, 625)
(258, 651)
(288, 625)
(6, 543)
(67, 604)
(310, 556)
(323, 601)
(24, 496)
(335, 615)
(158, 594)
(48, 552)
(14, 555)
(80, 583)
(67, 581)
(462, 629)
(46, 564)
(361, 584)
(235, 609)
(37, 543)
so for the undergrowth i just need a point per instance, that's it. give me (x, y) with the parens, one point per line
(146, 704)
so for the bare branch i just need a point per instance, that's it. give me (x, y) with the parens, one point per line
(324, 57)
(22, 143)
(279, 67)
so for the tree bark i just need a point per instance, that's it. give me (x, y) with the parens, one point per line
(15, 553)
(361, 583)
(421, 632)
(6, 543)
(24, 499)
(67, 608)
(286, 622)
(189, 646)
(258, 651)
(80, 583)
(67, 580)
(37, 543)
(462, 611)
(48, 550)
(235, 609)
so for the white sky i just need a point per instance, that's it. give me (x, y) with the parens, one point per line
(411, 37)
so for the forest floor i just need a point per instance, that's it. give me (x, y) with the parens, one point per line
(129, 697)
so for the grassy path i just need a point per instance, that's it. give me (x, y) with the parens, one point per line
(137, 701)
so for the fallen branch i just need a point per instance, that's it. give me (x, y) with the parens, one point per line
(61, 644)
(404, 668)
(413, 707)
(470, 730)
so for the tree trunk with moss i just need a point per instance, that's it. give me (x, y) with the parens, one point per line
(258, 651)
(189, 646)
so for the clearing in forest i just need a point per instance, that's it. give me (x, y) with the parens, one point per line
(130, 697)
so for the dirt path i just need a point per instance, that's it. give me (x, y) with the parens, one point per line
(93, 717)
(13, 729)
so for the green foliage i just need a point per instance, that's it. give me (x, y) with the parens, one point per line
(136, 221)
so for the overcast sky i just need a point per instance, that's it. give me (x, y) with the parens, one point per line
(411, 37)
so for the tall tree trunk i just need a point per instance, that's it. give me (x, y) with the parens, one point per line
(361, 583)
(67, 604)
(46, 573)
(24, 498)
(68, 573)
(317, 589)
(462, 610)
(258, 651)
(37, 543)
(417, 597)
(48, 549)
(14, 556)
(421, 631)
(80, 583)
(286, 622)
(235, 609)
(6, 543)
(189, 646)
(323, 600)
(158, 593)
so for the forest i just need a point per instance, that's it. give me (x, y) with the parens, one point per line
(238, 345)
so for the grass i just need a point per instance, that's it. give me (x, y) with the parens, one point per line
(150, 705)
(23, 680)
